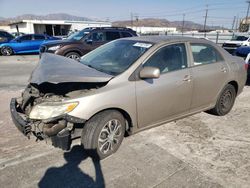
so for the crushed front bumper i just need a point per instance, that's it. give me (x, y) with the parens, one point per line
(61, 139)
(19, 118)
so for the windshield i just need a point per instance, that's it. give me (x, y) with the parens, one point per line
(78, 35)
(239, 38)
(115, 57)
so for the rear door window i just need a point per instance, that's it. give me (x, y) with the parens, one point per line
(112, 35)
(39, 37)
(205, 54)
(25, 38)
(126, 34)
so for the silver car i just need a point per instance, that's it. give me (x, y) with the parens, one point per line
(126, 86)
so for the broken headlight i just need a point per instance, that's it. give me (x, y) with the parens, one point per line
(48, 110)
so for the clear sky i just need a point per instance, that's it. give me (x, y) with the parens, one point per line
(220, 12)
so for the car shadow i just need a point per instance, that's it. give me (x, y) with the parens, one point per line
(70, 175)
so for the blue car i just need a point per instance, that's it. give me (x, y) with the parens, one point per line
(242, 51)
(25, 44)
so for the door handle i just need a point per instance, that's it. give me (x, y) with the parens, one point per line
(187, 78)
(223, 69)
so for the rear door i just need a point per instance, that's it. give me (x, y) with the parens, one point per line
(37, 41)
(23, 43)
(209, 72)
(169, 95)
(112, 35)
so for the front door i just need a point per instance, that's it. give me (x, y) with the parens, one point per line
(95, 40)
(169, 95)
(23, 43)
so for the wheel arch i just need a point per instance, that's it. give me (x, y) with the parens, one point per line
(126, 115)
(73, 50)
(11, 47)
(235, 84)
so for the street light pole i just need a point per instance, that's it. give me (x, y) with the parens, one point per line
(183, 22)
(247, 11)
(205, 22)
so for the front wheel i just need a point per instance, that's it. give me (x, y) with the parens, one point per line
(73, 55)
(6, 51)
(225, 101)
(103, 133)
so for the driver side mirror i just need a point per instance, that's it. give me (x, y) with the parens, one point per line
(149, 72)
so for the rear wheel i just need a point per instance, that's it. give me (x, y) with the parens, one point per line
(6, 51)
(73, 55)
(225, 101)
(103, 134)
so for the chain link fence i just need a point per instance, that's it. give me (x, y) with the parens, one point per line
(218, 38)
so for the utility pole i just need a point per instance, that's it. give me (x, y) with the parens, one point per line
(131, 14)
(205, 22)
(247, 11)
(237, 23)
(233, 23)
(183, 22)
(137, 22)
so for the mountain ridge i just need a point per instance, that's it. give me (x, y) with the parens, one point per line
(147, 22)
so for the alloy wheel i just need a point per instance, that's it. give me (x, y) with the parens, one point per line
(110, 136)
(74, 56)
(7, 51)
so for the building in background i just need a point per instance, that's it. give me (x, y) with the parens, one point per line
(53, 27)
(5, 26)
(244, 25)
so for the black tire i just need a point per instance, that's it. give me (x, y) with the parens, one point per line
(225, 101)
(6, 51)
(73, 55)
(95, 130)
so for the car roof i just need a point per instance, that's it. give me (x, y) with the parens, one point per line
(109, 28)
(165, 39)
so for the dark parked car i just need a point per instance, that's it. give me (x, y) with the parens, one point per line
(25, 44)
(5, 37)
(86, 40)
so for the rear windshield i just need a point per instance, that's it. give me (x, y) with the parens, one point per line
(115, 57)
(239, 38)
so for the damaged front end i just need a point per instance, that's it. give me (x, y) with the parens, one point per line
(43, 109)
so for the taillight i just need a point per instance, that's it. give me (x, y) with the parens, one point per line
(246, 66)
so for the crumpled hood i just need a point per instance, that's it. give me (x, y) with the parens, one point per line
(57, 69)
